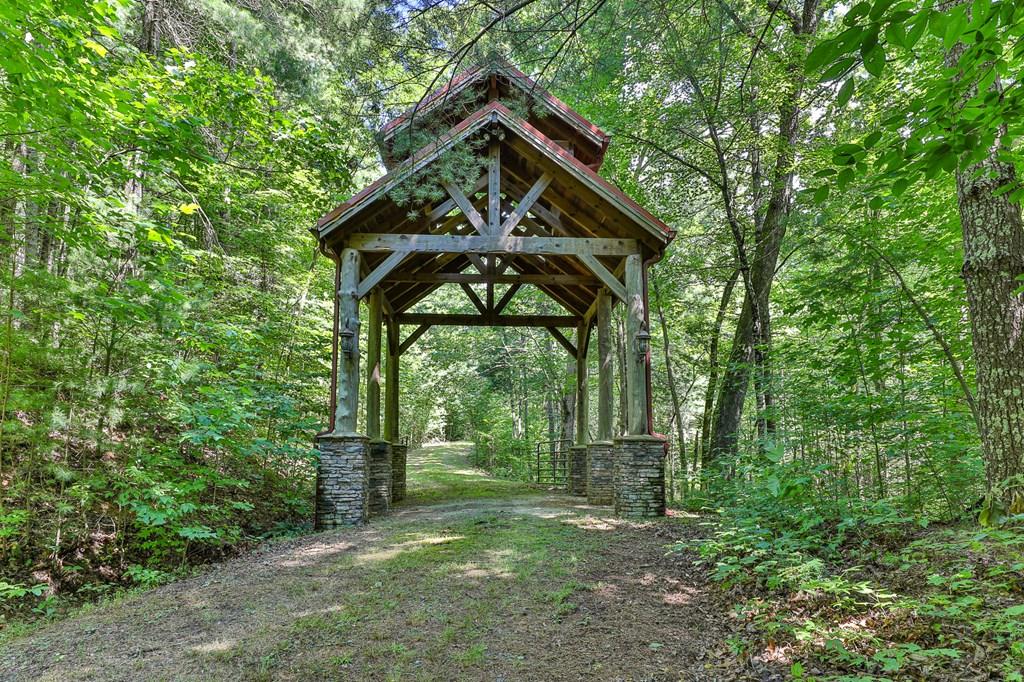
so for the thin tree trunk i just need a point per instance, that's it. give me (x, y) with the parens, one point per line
(716, 335)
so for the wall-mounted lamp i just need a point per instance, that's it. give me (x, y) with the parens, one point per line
(643, 341)
(348, 345)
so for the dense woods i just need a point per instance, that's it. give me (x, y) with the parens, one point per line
(838, 328)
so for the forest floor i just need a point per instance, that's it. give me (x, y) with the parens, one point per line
(470, 578)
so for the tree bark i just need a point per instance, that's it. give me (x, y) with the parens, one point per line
(993, 236)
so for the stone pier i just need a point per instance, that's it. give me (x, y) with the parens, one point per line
(600, 472)
(342, 481)
(380, 477)
(399, 454)
(577, 483)
(639, 476)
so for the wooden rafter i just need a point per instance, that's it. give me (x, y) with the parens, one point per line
(504, 301)
(525, 204)
(380, 272)
(467, 208)
(560, 337)
(411, 339)
(610, 280)
(474, 298)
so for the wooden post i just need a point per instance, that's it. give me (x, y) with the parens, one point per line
(391, 387)
(347, 401)
(582, 397)
(636, 364)
(605, 367)
(373, 369)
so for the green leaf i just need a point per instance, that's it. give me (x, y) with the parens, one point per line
(1017, 610)
(954, 29)
(845, 92)
(874, 60)
(916, 31)
(856, 12)
(896, 34)
(96, 47)
(823, 53)
(821, 194)
(837, 69)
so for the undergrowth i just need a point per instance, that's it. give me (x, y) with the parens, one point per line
(851, 590)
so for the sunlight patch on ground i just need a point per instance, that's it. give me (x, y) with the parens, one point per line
(214, 647)
(475, 570)
(314, 554)
(396, 550)
(593, 523)
(679, 597)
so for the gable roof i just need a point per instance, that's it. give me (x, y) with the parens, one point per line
(591, 136)
(495, 112)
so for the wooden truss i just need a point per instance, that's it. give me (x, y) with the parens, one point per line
(537, 217)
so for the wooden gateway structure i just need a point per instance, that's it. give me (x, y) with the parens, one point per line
(538, 215)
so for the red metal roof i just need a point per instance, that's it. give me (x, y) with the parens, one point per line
(496, 110)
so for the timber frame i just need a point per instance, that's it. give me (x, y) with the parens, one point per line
(539, 215)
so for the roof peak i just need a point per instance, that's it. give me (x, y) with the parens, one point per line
(491, 80)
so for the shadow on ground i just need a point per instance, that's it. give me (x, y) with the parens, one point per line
(472, 578)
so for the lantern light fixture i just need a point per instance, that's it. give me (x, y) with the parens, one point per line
(643, 341)
(348, 338)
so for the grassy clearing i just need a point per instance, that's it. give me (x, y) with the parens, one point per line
(440, 473)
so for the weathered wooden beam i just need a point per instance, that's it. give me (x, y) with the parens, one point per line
(466, 206)
(346, 405)
(494, 187)
(474, 298)
(477, 262)
(610, 280)
(636, 363)
(471, 278)
(582, 392)
(411, 339)
(380, 272)
(506, 298)
(446, 207)
(373, 369)
(489, 320)
(605, 367)
(568, 345)
(391, 384)
(525, 204)
(592, 310)
(471, 244)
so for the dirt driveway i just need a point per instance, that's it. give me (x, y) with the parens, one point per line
(471, 579)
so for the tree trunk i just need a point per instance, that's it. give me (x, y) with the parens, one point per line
(752, 340)
(993, 259)
(993, 235)
(716, 335)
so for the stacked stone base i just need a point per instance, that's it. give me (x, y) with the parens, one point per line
(398, 459)
(601, 473)
(639, 477)
(380, 477)
(577, 483)
(342, 481)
